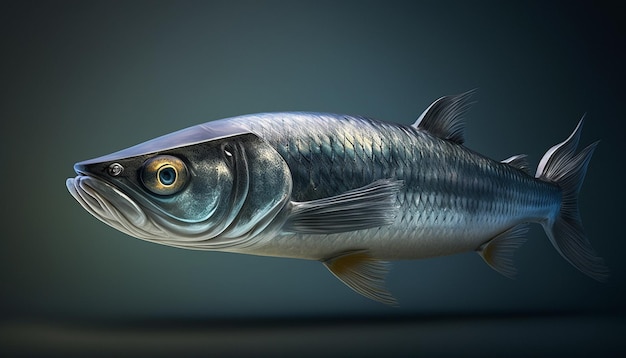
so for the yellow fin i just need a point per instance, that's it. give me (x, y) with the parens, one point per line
(498, 252)
(362, 273)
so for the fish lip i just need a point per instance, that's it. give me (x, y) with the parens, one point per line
(115, 209)
(81, 169)
(87, 195)
(121, 212)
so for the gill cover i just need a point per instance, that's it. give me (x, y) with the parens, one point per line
(261, 187)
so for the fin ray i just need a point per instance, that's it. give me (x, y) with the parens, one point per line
(498, 252)
(370, 206)
(560, 165)
(519, 161)
(444, 117)
(363, 274)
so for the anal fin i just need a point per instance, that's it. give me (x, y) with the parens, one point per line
(498, 252)
(362, 273)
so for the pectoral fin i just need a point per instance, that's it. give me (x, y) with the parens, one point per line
(362, 273)
(370, 206)
(498, 252)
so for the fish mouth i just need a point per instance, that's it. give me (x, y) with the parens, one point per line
(121, 211)
(113, 207)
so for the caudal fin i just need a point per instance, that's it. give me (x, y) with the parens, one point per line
(561, 165)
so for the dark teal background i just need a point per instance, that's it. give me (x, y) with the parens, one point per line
(81, 79)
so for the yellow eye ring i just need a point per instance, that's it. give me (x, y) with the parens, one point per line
(164, 175)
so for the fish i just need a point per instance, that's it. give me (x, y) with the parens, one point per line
(351, 192)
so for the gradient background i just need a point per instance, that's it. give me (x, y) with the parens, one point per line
(82, 79)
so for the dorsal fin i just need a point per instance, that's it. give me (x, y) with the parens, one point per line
(519, 161)
(444, 117)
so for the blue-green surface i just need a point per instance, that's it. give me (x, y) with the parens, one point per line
(85, 78)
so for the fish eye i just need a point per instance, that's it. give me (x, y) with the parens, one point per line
(164, 175)
(167, 175)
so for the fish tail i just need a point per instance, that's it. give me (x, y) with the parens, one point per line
(562, 166)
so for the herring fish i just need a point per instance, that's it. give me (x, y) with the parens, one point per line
(351, 192)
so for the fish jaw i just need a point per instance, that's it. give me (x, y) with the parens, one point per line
(113, 207)
(118, 210)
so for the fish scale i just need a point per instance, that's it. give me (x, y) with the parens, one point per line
(438, 187)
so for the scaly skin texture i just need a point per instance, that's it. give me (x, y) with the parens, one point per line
(453, 199)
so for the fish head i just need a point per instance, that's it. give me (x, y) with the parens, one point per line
(213, 186)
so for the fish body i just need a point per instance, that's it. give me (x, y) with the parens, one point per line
(449, 201)
(349, 191)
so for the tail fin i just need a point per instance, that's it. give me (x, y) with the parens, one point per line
(560, 165)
